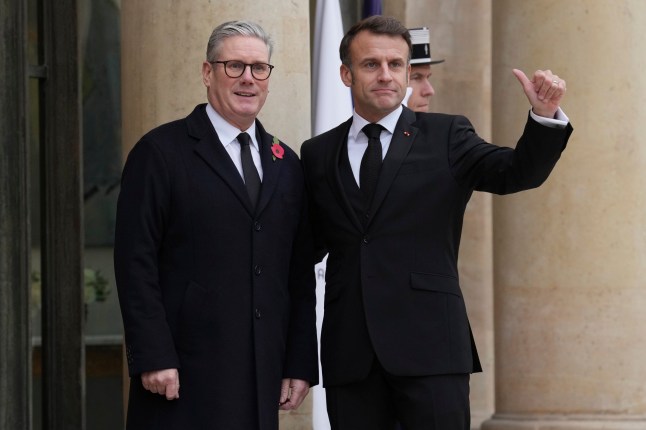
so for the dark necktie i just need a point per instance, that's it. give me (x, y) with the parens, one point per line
(249, 171)
(371, 161)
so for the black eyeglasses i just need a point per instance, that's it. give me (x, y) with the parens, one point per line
(235, 69)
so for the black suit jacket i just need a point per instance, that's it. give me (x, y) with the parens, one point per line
(392, 287)
(210, 286)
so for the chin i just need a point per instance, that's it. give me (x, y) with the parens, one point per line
(248, 110)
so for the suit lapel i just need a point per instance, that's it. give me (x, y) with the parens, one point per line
(338, 143)
(210, 149)
(401, 143)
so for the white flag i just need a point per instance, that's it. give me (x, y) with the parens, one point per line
(331, 105)
(331, 99)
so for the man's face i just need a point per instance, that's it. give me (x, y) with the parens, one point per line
(378, 76)
(238, 100)
(420, 76)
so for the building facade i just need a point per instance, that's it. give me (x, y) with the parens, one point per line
(553, 278)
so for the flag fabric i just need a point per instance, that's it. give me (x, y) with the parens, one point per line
(320, 420)
(371, 7)
(331, 99)
(331, 105)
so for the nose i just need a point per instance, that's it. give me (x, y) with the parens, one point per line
(428, 90)
(384, 73)
(246, 74)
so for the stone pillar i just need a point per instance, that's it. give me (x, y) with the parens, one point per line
(569, 257)
(163, 46)
(461, 34)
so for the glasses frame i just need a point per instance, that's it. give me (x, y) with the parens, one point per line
(245, 65)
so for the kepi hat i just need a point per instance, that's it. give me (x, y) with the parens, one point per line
(421, 40)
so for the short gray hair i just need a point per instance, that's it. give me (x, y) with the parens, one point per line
(236, 28)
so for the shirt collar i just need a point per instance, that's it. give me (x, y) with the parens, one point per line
(389, 122)
(227, 132)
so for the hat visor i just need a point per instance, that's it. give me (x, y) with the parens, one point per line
(420, 61)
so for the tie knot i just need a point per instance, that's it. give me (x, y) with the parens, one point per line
(243, 139)
(373, 130)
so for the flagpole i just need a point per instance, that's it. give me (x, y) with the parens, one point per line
(331, 105)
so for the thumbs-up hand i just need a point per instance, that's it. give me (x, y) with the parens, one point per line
(544, 91)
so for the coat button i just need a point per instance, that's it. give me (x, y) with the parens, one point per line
(257, 313)
(257, 270)
(366, 239)
(257, 226)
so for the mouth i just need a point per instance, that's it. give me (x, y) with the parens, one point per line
(384, 90)
(244, 94)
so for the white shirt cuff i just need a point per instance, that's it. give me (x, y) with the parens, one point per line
(560, 121)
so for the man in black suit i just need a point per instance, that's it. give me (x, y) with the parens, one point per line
(396, 341)
(213, 257)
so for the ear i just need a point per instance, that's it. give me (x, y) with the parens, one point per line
(346, 75)
(408, 73)
(206, 73)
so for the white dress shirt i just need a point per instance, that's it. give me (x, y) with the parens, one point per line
(228, 135)
(358, 141)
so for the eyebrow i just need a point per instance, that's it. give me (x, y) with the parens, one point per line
(389, 60)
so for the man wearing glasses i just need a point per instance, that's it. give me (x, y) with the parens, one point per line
(212, 257)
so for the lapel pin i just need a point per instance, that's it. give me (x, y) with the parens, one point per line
(406, 133)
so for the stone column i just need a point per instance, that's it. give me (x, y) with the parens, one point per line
(461, 34)
(569, 257)
(163, 46)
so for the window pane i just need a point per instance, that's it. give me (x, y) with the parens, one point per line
(99, 34)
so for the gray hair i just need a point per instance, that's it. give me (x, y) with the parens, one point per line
(236, 28)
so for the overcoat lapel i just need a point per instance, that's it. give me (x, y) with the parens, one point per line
(210, 149)
(270, 168)
(401, 143)
(333, 156)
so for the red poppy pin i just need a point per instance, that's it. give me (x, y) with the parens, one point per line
(277, 150)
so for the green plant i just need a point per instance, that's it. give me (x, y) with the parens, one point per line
(96, 287)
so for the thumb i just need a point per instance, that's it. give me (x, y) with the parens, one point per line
(172, 389)
(528, 86)
(284, 391)
(523, 79)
